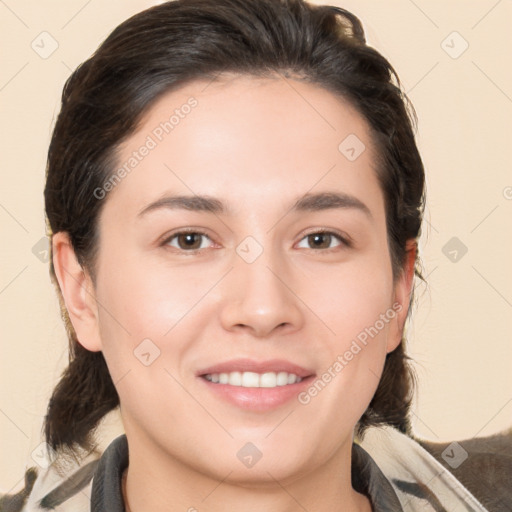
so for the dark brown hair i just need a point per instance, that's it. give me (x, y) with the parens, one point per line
(162, 49)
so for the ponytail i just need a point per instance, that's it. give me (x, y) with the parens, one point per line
(82, 397)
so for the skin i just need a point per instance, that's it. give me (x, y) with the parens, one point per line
(258, 145)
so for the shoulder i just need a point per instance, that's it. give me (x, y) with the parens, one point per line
(49, 489)
(473, 474)
(482, 464)
(67, 485)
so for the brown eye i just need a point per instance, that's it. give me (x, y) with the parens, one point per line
(322, 240)
(319, 241)
(187, 241)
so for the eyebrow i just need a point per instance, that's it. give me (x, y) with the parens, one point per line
(309, 202)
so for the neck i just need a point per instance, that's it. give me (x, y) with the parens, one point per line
(156, 482)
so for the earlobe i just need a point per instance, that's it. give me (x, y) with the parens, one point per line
(77, 291)
(402, 296)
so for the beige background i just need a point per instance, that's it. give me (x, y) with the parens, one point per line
(461, 335)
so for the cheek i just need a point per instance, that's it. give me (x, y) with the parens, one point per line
(351, 298)
(142, 336)
(149, 299)
(356, 309)
(144, 301)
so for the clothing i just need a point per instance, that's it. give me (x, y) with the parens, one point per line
(395, 471)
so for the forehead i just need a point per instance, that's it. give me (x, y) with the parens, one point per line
(247, 137)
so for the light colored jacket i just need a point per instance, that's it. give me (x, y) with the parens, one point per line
(397, 472)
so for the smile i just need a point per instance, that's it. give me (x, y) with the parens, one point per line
(255, 385)
(253, 379)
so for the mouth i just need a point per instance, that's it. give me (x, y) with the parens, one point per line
(253, 385)
(253, 379)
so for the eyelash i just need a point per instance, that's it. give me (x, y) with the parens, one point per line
(344, 240)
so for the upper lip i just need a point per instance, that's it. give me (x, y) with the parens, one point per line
(251, 365)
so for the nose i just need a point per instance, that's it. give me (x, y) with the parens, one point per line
(260, 298)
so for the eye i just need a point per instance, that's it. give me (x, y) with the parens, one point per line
(323, 240)
(188, 241)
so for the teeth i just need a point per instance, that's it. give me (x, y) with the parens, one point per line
(268, 380)
(282, 379)
(250, 380)
(254, 380)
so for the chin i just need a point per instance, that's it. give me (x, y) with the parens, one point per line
(265, 473)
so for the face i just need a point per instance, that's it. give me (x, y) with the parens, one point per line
(244, 296)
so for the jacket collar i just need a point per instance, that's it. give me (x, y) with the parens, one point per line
(106, 495)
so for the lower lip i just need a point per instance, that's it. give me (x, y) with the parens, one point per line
(257, 399)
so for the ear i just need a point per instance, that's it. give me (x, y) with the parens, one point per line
(402, 296)
(78, 292)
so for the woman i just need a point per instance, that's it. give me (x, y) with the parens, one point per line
(234, 196)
